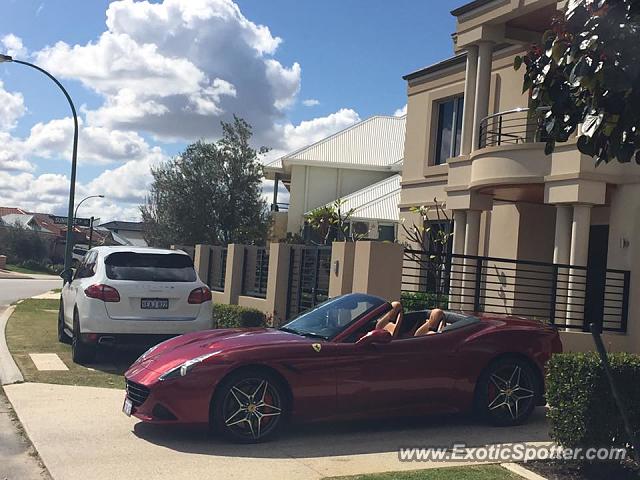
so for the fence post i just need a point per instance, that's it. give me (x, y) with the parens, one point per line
(554, 295)
(476, 296)
(341, 273)
(233, 273)
(278, 281)
(378, 269)
(201, 262)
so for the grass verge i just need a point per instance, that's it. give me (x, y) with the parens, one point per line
(27, 271)
(33, 329)
(474, 472)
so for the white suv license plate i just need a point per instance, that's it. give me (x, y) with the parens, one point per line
(154, 303)
(127, 407)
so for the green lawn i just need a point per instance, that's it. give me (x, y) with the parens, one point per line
(475, 472)
(26, 271)
(33, 329)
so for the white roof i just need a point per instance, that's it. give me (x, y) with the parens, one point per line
(106, 250)
(376, 202)
(23, 219)
(376, 143)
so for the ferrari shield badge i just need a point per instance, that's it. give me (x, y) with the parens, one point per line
(317, 347)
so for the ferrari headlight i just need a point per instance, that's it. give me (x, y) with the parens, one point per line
(184, 368)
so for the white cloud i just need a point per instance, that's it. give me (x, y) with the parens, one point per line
(11, 108)
(13, 46)
(176, 68)
(96, 145)
(310, 102)
(400, 112)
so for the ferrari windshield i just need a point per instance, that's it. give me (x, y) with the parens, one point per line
(331, 317)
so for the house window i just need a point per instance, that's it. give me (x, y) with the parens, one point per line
(386, 233)
(449, 129)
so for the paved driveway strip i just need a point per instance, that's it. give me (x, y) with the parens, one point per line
(81, 433)
(9, 372)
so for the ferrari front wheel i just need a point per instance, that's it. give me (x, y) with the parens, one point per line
(249, 406)
(507, 392)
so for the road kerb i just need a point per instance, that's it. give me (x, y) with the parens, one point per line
(9, 371)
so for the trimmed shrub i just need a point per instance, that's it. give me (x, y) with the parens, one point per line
(582, 410)
(235, 316)
(414, 301)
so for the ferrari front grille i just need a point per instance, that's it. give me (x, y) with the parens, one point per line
(137, 393)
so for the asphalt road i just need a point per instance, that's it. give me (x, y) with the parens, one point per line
(16, 289)
(17, 459)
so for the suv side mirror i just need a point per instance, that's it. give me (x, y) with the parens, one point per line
(67, 275)
(379, 336)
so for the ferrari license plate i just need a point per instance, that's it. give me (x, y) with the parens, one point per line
(127, 407)
(154, 303)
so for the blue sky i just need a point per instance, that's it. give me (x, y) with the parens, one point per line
(155, 78)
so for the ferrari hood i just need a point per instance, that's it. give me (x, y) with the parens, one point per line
(175, 351)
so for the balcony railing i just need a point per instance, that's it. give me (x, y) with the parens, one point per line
(512, 127)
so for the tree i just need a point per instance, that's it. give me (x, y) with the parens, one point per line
(211, 193)
(331, 223)
(587, 71)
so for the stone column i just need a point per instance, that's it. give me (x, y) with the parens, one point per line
(471, 241)
(469, 100)
(278, 282)
(483, 87)
(561, 253)
(201, 262)
(459, 229)
(579, 255)
(341, 274)
(233, 273)
(378, 269)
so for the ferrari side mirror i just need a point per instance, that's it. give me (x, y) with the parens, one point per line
(378, 336)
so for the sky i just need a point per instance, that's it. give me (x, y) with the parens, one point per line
(148, 78)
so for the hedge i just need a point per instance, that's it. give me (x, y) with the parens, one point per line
(234, 316)
(414, 301)
(582, 409)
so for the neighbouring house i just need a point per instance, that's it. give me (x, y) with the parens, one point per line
(55, 234)
(360, 165)
(568, 231)
(126, 233)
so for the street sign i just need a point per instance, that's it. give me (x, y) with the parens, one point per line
(78, 222)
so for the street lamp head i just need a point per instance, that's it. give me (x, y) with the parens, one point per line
(5, 58)
(100, 196)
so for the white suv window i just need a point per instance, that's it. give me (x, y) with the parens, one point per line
(150, 267)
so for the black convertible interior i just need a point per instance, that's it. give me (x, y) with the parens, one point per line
(453, 321)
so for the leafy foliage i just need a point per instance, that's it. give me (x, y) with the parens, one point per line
(415, 301)
(331, 223)
(211, 193)
(582, 409)
(21, 245)
(587, 71)
(235, 316)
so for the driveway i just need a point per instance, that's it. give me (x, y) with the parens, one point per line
(81, 433)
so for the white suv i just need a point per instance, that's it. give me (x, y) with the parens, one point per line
(128, 295)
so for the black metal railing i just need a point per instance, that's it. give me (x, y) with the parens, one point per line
(564, 295)
(255, 271)
(512, 127)
(309, 269)
(217, 268)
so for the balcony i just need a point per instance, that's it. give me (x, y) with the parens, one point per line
(512, 127)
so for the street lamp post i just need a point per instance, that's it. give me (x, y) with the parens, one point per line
(75, 214)
(74, 159)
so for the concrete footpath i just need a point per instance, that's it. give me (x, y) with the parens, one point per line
(9, 372)
(81, 433)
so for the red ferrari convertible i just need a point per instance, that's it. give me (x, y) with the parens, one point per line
(330, 363)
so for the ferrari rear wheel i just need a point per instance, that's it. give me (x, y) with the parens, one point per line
(507, 392)
(249, 407)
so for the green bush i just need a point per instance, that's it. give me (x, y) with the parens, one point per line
(234, 316)
(582, 410)
(413, 301)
